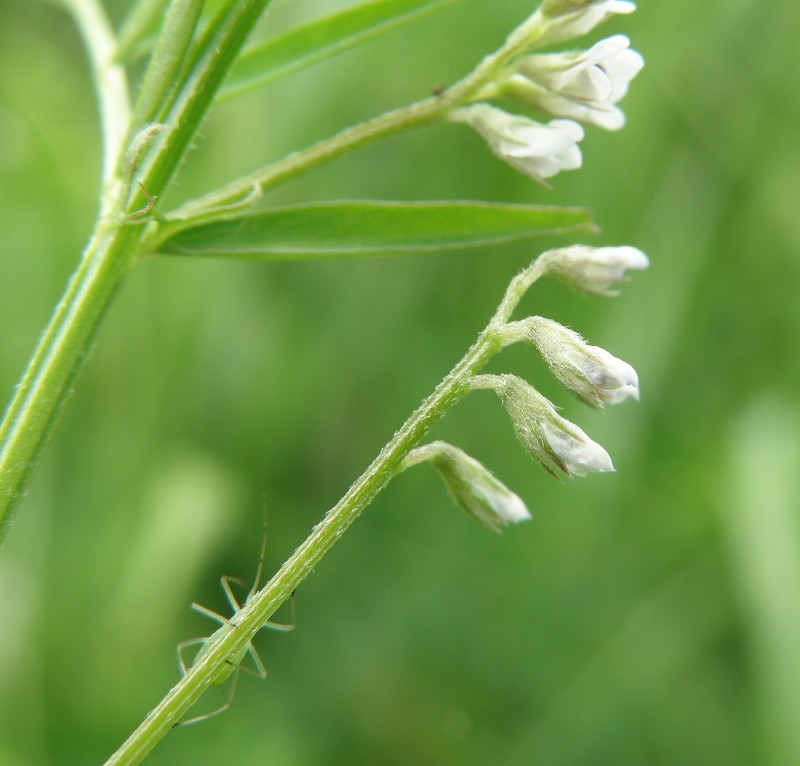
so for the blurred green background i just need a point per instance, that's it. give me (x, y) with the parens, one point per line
(646, 617)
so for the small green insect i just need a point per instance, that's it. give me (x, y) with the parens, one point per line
(234, 664)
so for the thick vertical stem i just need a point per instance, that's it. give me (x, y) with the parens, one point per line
(64, 346)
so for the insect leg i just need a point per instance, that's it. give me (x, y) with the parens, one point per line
(259, 671)
(182, 666)
(226, 581)
(284, 627)
(221, 709)
(213, 615)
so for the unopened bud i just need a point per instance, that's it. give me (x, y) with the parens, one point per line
(540, 151)
(472, 486)
(590, 371)
(555, 443)
(567, 19)
(594, 269)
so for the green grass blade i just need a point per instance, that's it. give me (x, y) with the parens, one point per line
(316, 40)
(335, 229)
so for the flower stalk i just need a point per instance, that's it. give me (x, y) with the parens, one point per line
(262, 605)
(557, 444)
(218, 204)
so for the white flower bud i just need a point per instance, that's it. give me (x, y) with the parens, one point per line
(539, 151)
(590, 371)
(567, 19)
(555, 443)
(594, 269)
(584, 86)
(472, 486)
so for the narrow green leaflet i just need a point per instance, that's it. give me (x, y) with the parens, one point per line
(311, 42)
(171, 49)
(334, 229)
(139, 29)
(213, 54)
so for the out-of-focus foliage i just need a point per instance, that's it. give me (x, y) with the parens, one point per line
(649, 616)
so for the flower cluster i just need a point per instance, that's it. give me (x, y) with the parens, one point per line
(583, 86)
(573, 87)
(591, 372)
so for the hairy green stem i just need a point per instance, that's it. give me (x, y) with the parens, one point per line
(258, 609)
(110, 82)
(65, 344)
(47, 382)
(232, 197)
(517, 288)
(220, 202)
(115, 245)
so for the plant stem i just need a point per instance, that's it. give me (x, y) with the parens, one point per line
(47, 382)
(110, 82)
(389, 462)
(255, 613)
(115, 245)
(65, 344)
(218, 204)
(232, 197)
(517, 288)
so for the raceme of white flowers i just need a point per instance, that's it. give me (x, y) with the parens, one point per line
(573, 87)
(591, 372)
(579, 85)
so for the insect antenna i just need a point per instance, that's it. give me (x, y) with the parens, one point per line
(263, 555)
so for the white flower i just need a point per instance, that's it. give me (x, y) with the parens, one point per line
(472, 486)
(555, 443)
(577, 454)
(584, 86)
(594, 269)
(539, 151)
(614, 379)
(590, 371)
(565, 22)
